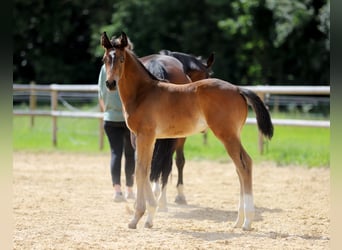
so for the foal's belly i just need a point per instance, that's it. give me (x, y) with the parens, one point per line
(181, 127)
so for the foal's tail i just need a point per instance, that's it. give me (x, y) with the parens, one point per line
(262, 115)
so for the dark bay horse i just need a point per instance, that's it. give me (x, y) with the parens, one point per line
(156, 109)
(166, 67)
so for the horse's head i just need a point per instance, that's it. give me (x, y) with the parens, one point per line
(113, 58)
(203, 69)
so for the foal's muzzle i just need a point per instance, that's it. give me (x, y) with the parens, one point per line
(111, 85)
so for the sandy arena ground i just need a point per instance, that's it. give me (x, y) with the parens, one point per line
(64, 201)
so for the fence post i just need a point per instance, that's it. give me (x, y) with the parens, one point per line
(54, 104)
(101, 131)
(260, 136)
(33, 101)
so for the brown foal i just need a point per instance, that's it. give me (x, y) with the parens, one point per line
(156, 109)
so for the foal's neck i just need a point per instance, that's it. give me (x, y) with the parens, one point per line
(135, 80)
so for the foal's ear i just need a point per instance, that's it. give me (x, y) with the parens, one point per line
(105, 41)
(123, 40)
(210, 60)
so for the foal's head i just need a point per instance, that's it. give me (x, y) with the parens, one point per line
(113, 58)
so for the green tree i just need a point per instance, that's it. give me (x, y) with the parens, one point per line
(255, 41)
(280, 41)
(52, 40)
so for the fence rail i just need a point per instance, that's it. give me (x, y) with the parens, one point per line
(54, 89)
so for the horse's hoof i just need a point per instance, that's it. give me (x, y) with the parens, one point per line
(148, 224)
(247, 228)
(181, 200)
(238, 224)
(132, 225)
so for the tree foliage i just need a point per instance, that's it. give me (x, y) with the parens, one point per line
(255, 41)
(52, 40)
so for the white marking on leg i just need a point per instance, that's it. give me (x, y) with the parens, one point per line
(156, 189)
(151, 204)
(151, 210)
(180, 198)
(249, 211)
(162, 201)
(241, 213)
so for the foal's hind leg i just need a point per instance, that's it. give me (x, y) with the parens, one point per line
(243, 165)
(241, 213)
(180, 162)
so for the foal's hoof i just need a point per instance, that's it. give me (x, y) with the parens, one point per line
(132, 225)
(247, 228)
(148, 224)
(238, 224)
(181, 200)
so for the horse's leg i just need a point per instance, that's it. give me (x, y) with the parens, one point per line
(160, 195)
(162, 200)
(241, 213)
(243, 164)
(151, 204)
(180, 161)
(161, 168)
(166, 170)
(156, 188)
(248, 189)
(144, 149)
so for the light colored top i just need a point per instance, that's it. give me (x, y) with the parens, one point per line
(111, 100)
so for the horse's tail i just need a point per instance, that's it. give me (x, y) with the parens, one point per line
(262, 115)
(162, 160)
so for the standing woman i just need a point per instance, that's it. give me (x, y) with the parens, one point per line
(119, 139)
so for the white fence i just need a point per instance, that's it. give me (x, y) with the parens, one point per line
(54, 89)
(289, 90)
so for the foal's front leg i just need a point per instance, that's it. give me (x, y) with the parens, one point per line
(140, 206)
(144, 149)
(151, 204)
